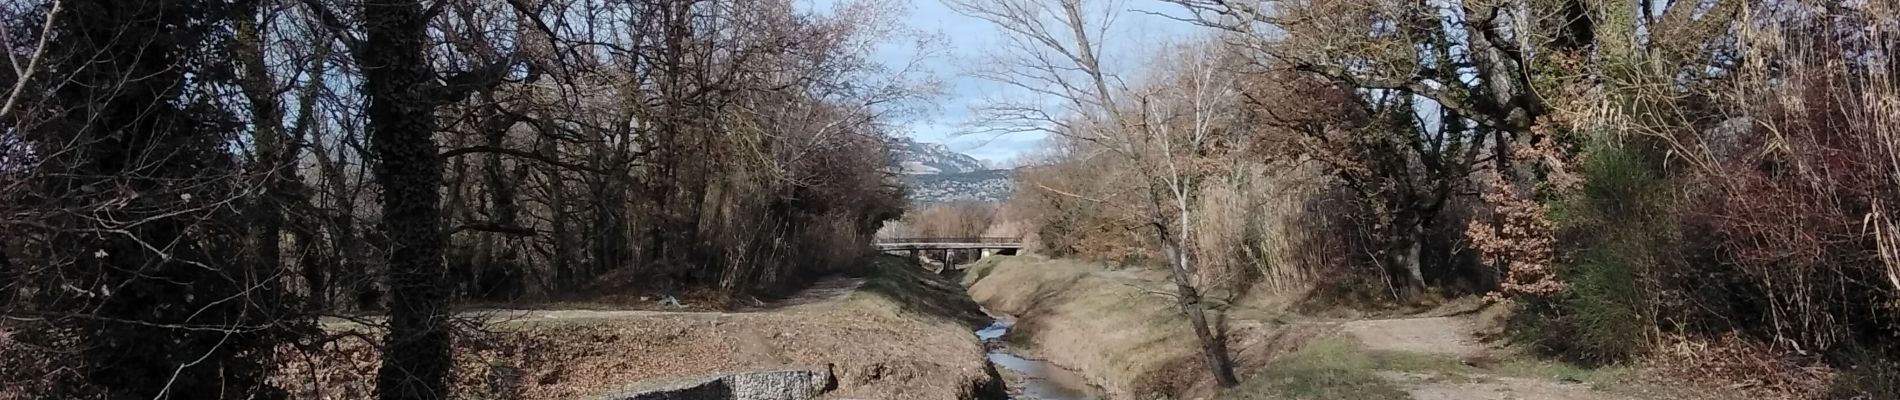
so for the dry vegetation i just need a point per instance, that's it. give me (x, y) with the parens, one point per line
(186, 184)
(1119, 328)
(1705, 187)
(961, 219)
(1119, 336)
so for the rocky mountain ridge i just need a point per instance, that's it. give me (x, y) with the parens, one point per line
(936, 174)
(918, 158)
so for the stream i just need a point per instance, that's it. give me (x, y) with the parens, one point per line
(1041, 380)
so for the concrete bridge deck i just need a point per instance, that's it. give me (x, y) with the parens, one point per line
(950, 247)
(936, 243)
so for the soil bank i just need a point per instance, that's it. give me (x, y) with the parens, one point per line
(899, 333)
(1115, 327)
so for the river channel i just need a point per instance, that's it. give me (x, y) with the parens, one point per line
(1040, 379)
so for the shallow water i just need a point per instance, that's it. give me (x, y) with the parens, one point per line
(1043, 381)
(993, 332)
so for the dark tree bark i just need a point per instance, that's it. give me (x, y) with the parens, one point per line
(561, 259)
(8, 282)
(344, 269)
(398, 82)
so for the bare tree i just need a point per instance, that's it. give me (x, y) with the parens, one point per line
(1052, 50)
(522, 141)
(404, 92)
(1447, 88)
(130, 206)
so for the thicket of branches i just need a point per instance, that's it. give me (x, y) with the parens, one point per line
(959, 219)
(1631, 172)
(185, 185)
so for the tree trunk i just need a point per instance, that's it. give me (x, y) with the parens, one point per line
(315, 268)
(272, 150)
(1213, 345)
(562, 264)
(1402, 254)
(1415, 242)
(7, 287)
(398, 82)
(1177, 247)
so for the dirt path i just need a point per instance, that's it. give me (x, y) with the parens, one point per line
(880, 337)
(1438, 335)
(1481, 375)
(1428, 387)
(825, 293)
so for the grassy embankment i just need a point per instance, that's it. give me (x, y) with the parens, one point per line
(1111, 326)
(901, 334)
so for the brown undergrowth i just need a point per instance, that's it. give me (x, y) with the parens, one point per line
(1734, 362)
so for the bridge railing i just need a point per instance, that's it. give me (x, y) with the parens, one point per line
(986, 240)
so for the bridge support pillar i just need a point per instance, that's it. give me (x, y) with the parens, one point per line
(986, 254)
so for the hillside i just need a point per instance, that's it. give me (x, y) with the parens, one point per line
(985, 185)
(919, 158)
(936, 174)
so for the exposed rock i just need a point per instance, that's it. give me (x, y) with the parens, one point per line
(797, 384)
(913, 158)
(990, 185)
(935, 174)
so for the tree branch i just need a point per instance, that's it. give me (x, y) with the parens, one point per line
(517, 154)
(32, 62)
(456, 87)
(495, 228)
(335, 23)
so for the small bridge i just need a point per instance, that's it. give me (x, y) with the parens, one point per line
(950, 248)
(969, 243)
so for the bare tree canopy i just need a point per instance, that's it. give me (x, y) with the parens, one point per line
(512, 150)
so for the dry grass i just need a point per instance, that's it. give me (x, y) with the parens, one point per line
(1266, 227)
(1325, 369)
(1119, 327)
(1082, 317)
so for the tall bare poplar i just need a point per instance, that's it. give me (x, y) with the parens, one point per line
(1053, 50)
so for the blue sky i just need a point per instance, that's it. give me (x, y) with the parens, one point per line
(1131, 39)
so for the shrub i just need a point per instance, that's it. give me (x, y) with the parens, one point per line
(1518, 241)
(1869, 378)
(1618, 223)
